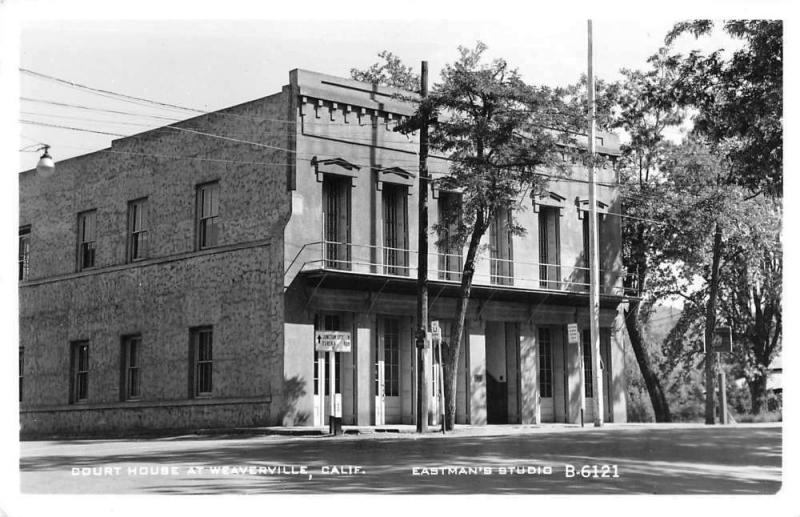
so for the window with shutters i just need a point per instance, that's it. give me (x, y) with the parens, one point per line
(395, 229)
(501, 253)
(450, 251)
(549, 248)
(336, 216)
(586, 263)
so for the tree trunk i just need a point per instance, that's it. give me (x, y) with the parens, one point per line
(651, 381)
(758, 394)
(453, 349)
(711, 320)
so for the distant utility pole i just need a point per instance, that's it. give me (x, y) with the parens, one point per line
(594, 260)
(422, 264)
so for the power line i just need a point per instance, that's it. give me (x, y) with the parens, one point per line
(384, 138)
(34, 123)
(103, 110)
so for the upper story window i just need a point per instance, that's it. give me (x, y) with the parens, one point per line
(586, 234)
(137, 229)
(86, 239)
(501, 248)
(79, 371)
(207, 215)
(450, 252)
(549, 247)
(395, 229)
(336, 192)
(24, 252)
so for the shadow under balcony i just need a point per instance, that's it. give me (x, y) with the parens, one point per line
(326, 265)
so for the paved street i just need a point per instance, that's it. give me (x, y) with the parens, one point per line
(675, 459)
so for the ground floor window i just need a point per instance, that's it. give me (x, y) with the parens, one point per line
(202, 340)
(21, 370)
(131, 373)
(79, 366)
(391, 357)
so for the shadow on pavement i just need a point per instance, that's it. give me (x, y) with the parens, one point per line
(736, 460)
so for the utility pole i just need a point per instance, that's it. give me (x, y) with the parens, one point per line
(422, 263)
(594, 260)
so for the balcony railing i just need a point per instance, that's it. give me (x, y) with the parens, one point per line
(402, 263)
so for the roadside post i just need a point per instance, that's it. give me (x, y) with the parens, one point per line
(333, 341)
(436, 334)
(574, 338)
(722, 344)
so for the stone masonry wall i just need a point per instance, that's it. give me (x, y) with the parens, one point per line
(236, 286)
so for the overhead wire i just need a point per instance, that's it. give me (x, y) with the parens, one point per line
(173, 107)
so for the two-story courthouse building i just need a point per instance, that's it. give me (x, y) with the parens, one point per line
(177, 280)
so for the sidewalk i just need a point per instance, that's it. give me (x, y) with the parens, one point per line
(464, 430)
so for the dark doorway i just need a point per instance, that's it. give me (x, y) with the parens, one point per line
(496, 400)
(496, 373)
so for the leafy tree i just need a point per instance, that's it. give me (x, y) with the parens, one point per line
(751, 292)
(750, 265)
(739, 103)
(640, 106)
(497, 132)
(739, 99)
(392, 72)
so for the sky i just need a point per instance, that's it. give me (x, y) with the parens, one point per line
(210, 64)
(210, 54)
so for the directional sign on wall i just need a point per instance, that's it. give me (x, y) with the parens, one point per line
(332, 341)
(572, 334)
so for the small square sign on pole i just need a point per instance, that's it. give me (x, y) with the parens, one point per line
(572, 334)
(436, 331)
(723, 340)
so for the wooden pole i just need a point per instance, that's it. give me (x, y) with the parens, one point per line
(422, 266)
(594, 259)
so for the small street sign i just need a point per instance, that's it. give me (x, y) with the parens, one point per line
(723, 340)
(332, 341)
(572, 334)
(436, 331)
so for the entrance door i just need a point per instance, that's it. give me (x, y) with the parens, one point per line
(322, 376)
(496, 373)
(388, 409)
(605, 358)
(547, 405)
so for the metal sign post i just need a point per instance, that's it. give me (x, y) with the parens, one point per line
(332, 341)
(722, 345)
